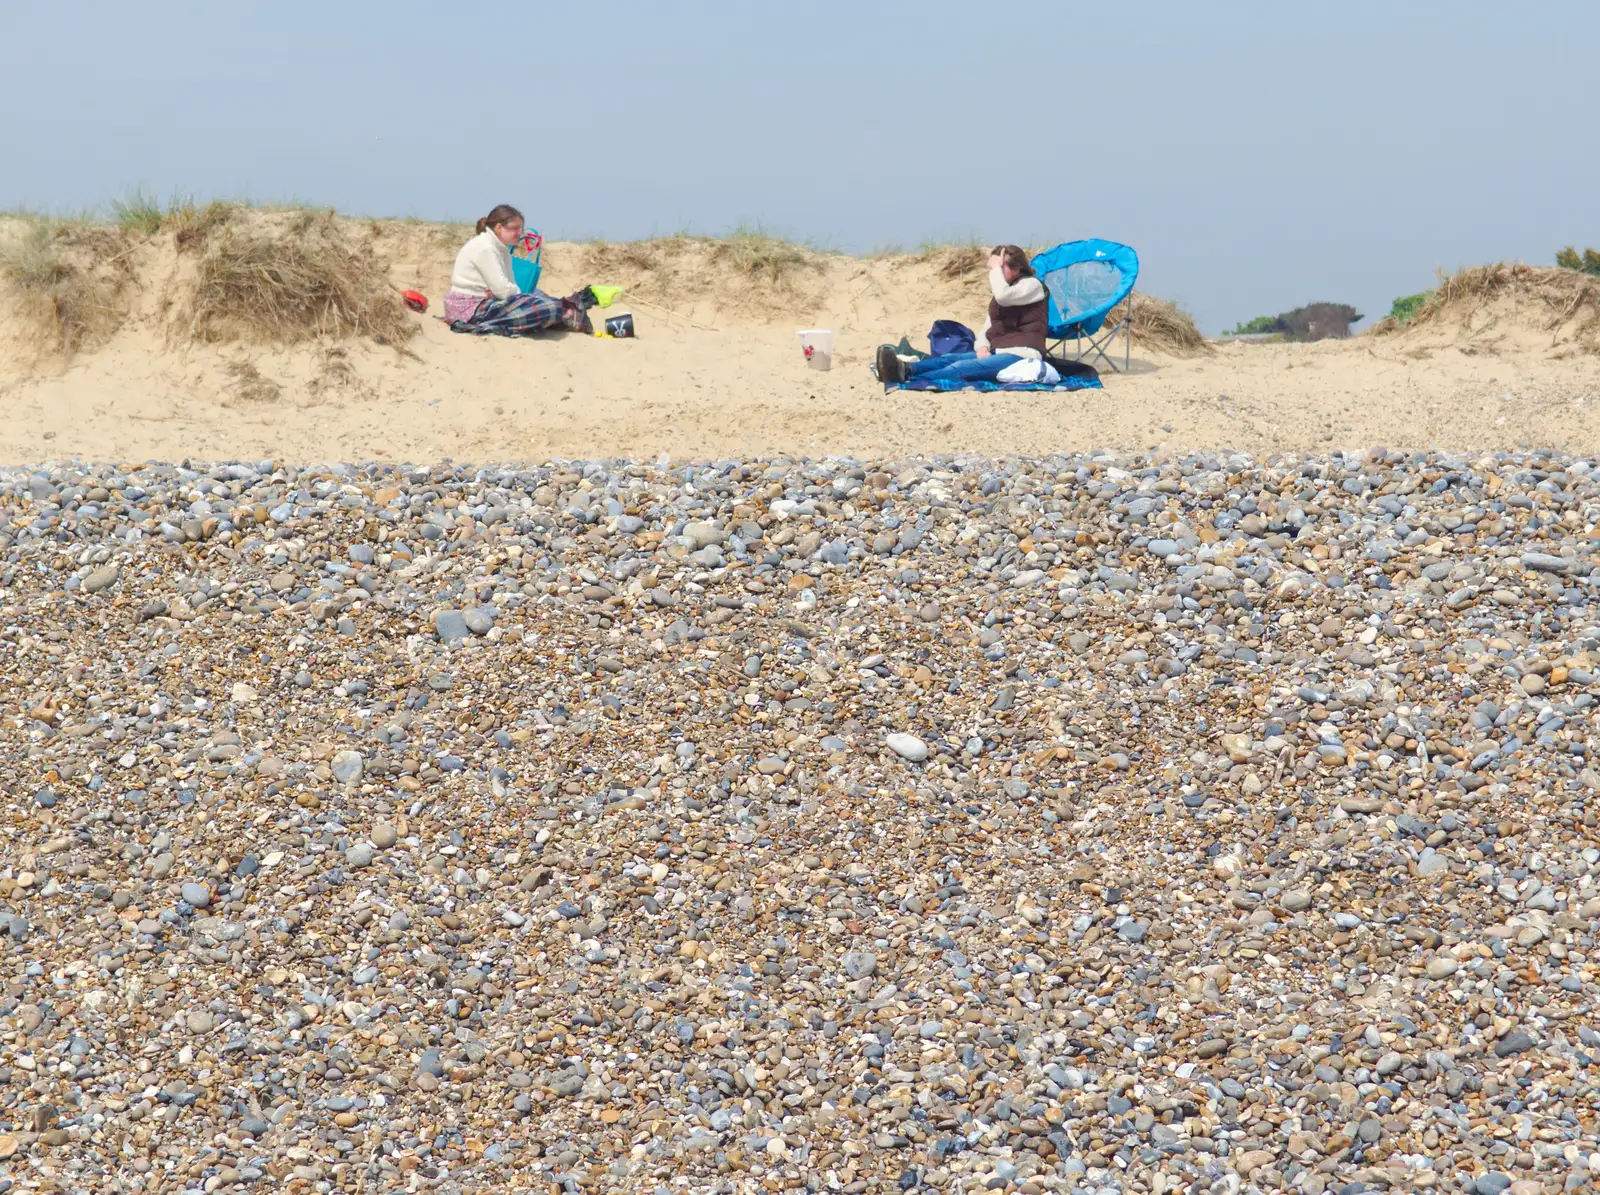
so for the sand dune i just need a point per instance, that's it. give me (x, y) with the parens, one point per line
(717, 371)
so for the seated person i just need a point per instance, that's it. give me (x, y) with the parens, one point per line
(484, 296)
(1015, 329)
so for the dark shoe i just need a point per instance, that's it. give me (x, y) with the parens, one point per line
(891, 370)
(586, 298)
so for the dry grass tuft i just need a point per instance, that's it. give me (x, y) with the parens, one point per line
(1553, 297)
(636, 262)
(295, 282)
(1161, 324)
(193, 227)
(762, 258)
(250, 384)
(336, 374)
(73, 279)
(954, 262)
(677, 266)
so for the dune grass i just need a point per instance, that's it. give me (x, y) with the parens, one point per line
(71, 277)
(193, 226)
(137, 214)
(748, 252)
(1562, 296)
(140, 215)
(952, 262)
(297, 281)
(634, 257)
(1162, 324)
(756, 254)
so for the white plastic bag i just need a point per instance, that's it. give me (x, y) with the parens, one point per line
(1029, 371)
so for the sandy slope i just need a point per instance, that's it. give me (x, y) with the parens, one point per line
(723, 376)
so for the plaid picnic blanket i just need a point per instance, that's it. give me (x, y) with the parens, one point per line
(522, 315)
(1073, 382)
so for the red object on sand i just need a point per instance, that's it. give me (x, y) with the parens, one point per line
(415, 300)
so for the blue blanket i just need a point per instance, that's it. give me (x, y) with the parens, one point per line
(1087, 382)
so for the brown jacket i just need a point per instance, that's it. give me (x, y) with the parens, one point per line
(1019, 315)
(1018, 327)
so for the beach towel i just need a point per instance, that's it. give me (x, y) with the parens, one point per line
(1073, 375)
(1064, 385)
(522, 315)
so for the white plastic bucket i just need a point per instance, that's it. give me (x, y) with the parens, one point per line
(817, 344)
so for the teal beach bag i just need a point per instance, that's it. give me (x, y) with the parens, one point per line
(525, 270)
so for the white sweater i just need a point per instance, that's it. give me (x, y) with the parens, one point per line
(483, 267)
(1012, 294)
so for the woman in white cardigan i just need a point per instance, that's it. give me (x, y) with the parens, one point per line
(484, 297)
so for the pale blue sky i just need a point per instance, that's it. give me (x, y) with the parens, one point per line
(1257, 154)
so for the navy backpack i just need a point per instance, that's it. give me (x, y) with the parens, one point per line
(950, 336)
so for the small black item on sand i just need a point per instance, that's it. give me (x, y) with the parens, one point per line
(891, 370)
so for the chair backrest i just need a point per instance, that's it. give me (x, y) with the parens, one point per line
(1085, 280)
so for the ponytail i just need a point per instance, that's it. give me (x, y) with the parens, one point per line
(503, 213)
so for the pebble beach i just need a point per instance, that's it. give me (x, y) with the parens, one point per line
(1088, 824)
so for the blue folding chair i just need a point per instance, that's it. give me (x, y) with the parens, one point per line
(1085, 280)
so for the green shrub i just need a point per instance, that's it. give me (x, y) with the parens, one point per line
(1262, 323)
(1407, 306)
(1587, 262)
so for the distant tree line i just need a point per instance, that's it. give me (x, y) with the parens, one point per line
(1322, 321)
(1587, 262)
(1314, 321)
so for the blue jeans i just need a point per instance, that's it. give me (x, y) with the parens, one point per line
(960, 367)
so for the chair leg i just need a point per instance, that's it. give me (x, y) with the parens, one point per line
(1127, 348)
(1097, 348)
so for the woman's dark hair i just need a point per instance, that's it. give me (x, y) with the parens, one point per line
(503, 213)
(1017, 258)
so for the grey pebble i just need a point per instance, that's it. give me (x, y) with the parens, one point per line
(451, 626)
(346, 766)
(1513, 1043)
